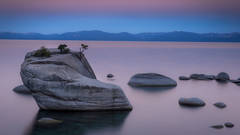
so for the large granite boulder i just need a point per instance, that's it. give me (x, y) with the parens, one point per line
(151, 80)
(67, 82)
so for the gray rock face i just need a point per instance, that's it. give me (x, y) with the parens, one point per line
(194, 102)
(220, 105)
(22, 89)
(223, 77)
(67, 82)
(184, 78)
(151, 80)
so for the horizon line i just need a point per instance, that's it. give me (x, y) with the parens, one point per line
(117, 32)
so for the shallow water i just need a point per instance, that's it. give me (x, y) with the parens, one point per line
(155, 111)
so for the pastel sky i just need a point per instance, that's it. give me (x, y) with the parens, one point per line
(58, 16)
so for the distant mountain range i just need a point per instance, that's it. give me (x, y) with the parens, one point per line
(124, 36)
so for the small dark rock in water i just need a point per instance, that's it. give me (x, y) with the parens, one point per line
(211, 77)
(223, 77)
(198, 76)
(235, 81)
(151, 80)
(22, 89)
(202, 77)
(220, 105)
(238, 78)
(184, 78)
(110, 75)
(194, 102)
(48, 121)
(228, 125)
(217, 126)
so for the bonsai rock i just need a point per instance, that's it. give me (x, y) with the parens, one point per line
(67, 82)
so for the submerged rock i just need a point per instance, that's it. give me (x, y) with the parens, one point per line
(194, 102)
(48, 121)
(229, 125)
(151, 80)
(67, 82)
(217, 126)
(22, 89)
(110, 75)
(220, 105)
(235, 81)
(223, 77)
(184, 78)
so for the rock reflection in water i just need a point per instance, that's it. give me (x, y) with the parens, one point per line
(76, 123)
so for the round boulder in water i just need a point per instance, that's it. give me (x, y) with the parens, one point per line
(220, 105)
(151, 80)
(229, 125)
(194, 102)
(223, 77)
(110, 75)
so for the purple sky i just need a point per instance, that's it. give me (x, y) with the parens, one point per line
(122, 6)
(205, 13)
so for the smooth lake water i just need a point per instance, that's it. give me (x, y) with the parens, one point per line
(155, 112)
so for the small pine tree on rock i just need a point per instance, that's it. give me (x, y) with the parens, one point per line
(62, 47)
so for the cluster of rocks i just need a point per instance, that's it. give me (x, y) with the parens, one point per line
(197, 102)
(220, 126)
(221, 77)
(67, 82)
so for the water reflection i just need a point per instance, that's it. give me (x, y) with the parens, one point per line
(153, 89)
(76, 123)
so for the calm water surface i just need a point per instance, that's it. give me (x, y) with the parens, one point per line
(156, 112)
